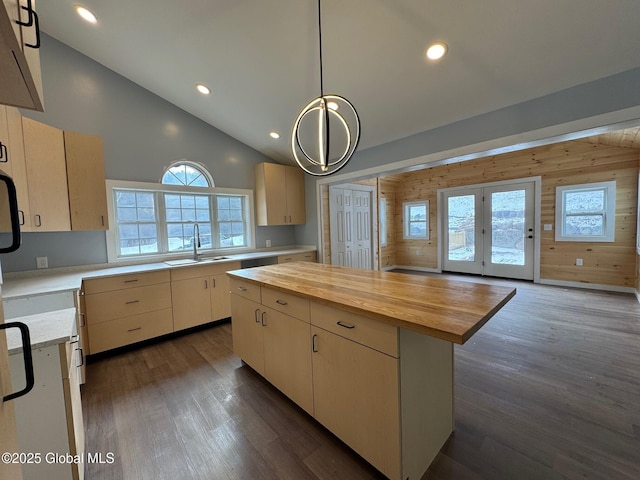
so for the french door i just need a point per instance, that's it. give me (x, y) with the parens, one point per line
(489, 230)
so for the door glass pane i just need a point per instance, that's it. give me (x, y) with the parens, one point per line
(462, 221)
(508, 227)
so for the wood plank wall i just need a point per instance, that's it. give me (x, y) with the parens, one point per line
(566, 163)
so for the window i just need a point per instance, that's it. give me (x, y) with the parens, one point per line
(586, 213)
(152, 219)
(416, 220)
(383, 222)
(187, 173)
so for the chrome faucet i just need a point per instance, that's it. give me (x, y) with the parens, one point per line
(196, 241)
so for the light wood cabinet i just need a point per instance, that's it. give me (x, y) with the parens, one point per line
(59, 176)
(298, 257)
(356, 398)
(49, 419)
(20, 73)
(48, 208)
(85, 178)
(385, 391)
(275, 344)
(200, 294)
(280, 198)
(127, 309)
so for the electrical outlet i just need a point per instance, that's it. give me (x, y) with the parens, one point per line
(268, 243)
(417, 253)
(579, 262)
(42, 262)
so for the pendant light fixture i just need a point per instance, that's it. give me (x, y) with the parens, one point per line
(326, 133)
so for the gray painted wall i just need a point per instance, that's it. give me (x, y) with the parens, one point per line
(142, 134)
(610, 94)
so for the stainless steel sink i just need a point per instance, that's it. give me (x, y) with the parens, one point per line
(191, 261)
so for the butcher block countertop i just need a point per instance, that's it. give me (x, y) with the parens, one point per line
(441, 308)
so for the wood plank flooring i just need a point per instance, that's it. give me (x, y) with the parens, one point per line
(548, 389)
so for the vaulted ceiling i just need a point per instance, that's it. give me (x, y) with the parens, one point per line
(260, 58)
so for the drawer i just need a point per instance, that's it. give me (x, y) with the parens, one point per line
(245, 289)
(125, 331)
(293, 305)
(298, 257)
(372, 333)
(130, 280)
(102, 307)
(204, 270)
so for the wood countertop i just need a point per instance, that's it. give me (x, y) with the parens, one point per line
(442, 308)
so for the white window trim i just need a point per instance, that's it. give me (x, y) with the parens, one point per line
(609, 215)
(406, 223)
(111, 234)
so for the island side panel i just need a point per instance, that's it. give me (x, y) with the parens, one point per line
(426, 382)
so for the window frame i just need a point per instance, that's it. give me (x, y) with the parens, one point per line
(406, 222)
(159, 189)
(382, 215)
(608, 213)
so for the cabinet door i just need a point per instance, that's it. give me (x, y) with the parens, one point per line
(271, 195)
(296, 209)
(246, 325)
(21, 80)
(220, 297)
(191, 302)
(287, 356)
(356, 396)
(15, 165)
(75, 422)
(46, 176)
(85, 176)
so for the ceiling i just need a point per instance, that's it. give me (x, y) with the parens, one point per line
(260, 58)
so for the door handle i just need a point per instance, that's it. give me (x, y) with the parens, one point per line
(26, 356)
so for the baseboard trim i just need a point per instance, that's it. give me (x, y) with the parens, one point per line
(589, 286)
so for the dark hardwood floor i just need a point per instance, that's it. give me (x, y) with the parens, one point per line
(547, 389)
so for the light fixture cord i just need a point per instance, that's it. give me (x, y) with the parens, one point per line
(323, 103)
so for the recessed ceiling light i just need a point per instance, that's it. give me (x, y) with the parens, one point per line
(275, 135)
(436, 51)
(203, 89)
(86, 14)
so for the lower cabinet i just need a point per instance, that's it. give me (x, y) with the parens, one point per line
(273, 343)
(49, 419)
(200, 294)
(126, 309)
(385, 391)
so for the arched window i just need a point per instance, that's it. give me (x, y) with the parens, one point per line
(187, 173)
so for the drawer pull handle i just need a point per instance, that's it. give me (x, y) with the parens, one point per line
(132, 302)
(134, 329)
(281, 302)
(346, 325)
(131, 281)
(242, 289)
(81, 354)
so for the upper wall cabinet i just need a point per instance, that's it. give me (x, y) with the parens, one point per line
(85, 177)
(59, 176)
(48, 209)
(280, 196)
(20, 75)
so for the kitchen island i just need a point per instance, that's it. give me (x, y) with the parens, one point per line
(368, 354)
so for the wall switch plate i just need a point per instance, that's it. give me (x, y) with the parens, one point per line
(268, 243)
(579, 262)
(42, 262)
(548, 226)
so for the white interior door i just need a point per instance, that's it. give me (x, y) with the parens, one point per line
(350, 212)
(490, 230)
